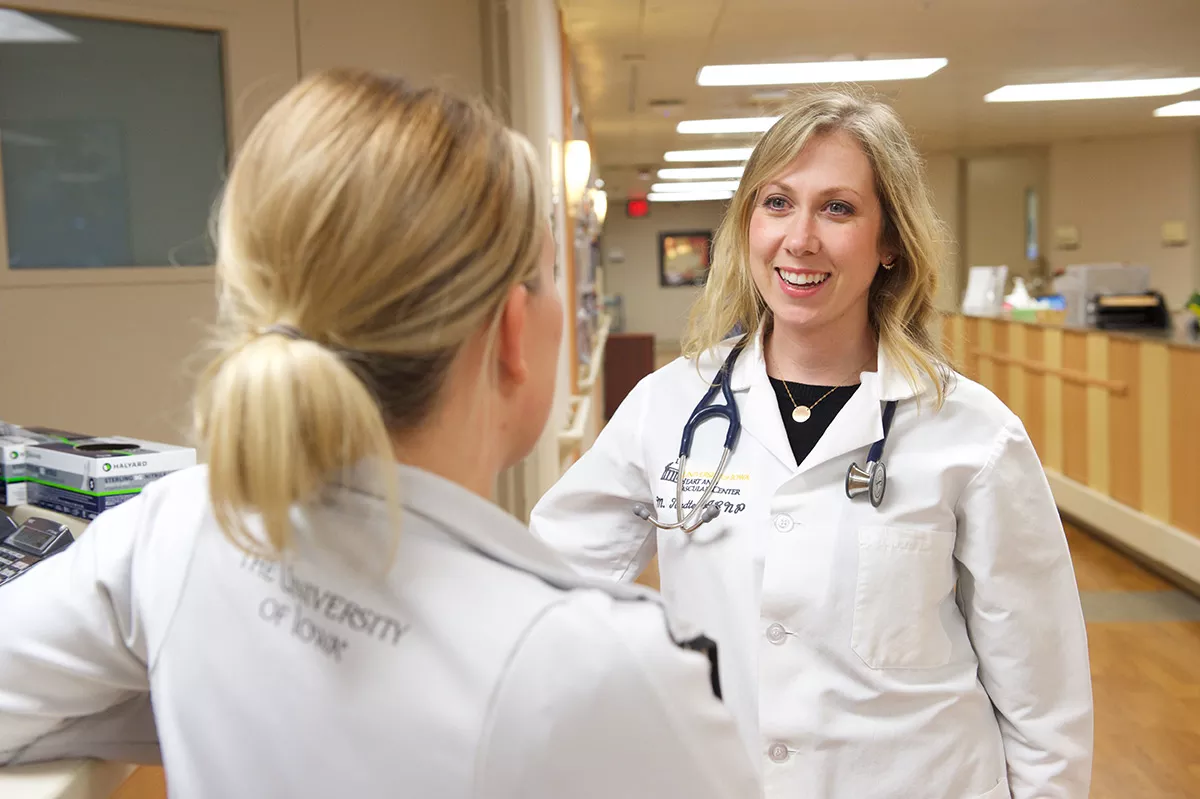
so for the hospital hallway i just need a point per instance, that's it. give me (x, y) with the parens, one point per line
(1144, 639)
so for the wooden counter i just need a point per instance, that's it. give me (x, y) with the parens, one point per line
(1115, 418)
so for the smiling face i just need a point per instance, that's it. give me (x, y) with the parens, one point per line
(815, 237)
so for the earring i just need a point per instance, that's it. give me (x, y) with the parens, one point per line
(888, 264)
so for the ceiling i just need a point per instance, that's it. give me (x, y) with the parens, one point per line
(636, 65)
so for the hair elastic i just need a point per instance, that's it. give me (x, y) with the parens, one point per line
(287, 331)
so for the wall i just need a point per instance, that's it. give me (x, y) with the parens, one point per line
(1118, 192)
(117, 353)
(425, 42)
(942, 172)
(996, 198)
(650, 308)
(111, 351)
(533, 57)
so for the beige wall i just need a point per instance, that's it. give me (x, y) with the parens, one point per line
(436, 42)
(1118, 192)
(650, 308)
(107, 351)
(942, 173)
(534, 96)
(996, 196)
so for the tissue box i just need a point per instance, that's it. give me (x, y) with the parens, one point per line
(85, 478)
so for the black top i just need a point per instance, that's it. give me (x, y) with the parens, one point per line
(803, 436)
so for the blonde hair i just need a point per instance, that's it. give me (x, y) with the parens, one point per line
(901, 299)
(382, 226)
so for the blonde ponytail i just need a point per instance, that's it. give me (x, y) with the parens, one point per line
(278, 418)
(369, 229)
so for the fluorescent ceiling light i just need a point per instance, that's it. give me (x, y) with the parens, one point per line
(1188, 108)
(702, 173)
(696, 185)
(18, 27)
(727, 154)
(819, 72)
(743, 125)
(687, 197)
(1092, 90)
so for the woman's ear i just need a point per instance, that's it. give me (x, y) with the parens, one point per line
(514, 366)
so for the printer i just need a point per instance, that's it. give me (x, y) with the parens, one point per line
(1145, 310)
(1111, 296)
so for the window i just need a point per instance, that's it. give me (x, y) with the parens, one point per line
(113, 141)
(1031, 225)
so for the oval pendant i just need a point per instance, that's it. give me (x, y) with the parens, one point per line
(801, 414)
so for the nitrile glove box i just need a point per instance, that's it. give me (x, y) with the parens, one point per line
(86, 478)
(13, 469)
(13, 466)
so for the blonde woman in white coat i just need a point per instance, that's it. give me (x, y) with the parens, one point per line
(932, 647)
(333, 607)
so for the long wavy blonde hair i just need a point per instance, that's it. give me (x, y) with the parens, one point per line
(382, 225)
(901, 299)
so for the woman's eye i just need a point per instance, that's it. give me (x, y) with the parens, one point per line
(839, 208)
(776, 203)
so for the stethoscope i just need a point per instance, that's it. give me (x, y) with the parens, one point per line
(870, 480)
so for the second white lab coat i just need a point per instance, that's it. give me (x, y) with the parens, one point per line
(467, 663)
(933, 648)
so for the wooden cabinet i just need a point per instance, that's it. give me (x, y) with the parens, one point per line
(629, 358)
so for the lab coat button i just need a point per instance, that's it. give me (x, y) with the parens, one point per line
(779, 753)
(784, 523)
(776, 634)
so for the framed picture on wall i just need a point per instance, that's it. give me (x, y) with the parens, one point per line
(684, 257)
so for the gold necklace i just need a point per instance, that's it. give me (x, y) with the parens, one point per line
(802, 413)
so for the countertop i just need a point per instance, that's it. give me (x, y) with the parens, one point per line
(66, 779)
(1181, 335)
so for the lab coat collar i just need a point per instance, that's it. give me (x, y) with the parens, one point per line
(894, 385)
(858, 425)
(484, 527)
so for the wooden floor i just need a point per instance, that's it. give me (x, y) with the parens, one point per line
(1146, 683)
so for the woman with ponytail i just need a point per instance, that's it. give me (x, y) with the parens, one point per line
(333, 606)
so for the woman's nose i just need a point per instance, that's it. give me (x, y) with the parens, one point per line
(801, 236)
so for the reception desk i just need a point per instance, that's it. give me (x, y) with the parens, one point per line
(1115, 418)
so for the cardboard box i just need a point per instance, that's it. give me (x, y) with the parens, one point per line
(85, 478)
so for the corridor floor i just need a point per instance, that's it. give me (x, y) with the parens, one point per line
(1144, 639)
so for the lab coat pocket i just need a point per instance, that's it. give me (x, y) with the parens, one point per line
(904, 575)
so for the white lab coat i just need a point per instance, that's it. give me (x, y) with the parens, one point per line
(476, 666)
(933, 648)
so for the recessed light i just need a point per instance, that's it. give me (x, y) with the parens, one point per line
(742, 125)
(726, 154)
(1187, 108)
(696, 185)
(1092, 90)
(702, 173)
(687, 197)
(819, 72)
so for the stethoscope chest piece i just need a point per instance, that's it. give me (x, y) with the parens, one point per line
(871, 481)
